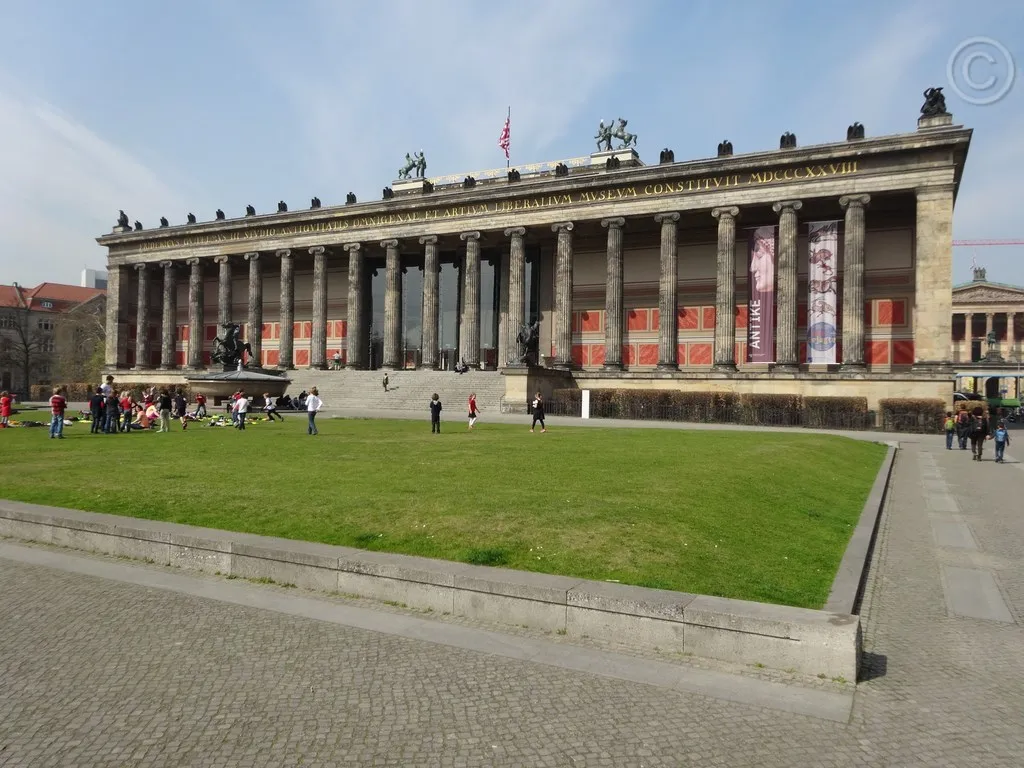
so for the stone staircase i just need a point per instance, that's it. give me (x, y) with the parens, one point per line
(410, 390)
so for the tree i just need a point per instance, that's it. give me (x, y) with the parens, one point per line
(80, 341)
(26, 343)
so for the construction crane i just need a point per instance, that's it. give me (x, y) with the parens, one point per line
(983, 243)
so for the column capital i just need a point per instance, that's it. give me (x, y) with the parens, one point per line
(515, 232)
(349, 247)
(252, 256)
(615, 223)
(221, 259)
(167, 264)
(428, 240)
(787, 205)
(726, 212)
(284, 253)
(389, 243)
(317, 250)
(564, 226)
(467, 236)
(140, 267)
(855, 201)
(670, 217)
(193, 261)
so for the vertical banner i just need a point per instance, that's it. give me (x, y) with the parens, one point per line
(761, 300)
(822, 296)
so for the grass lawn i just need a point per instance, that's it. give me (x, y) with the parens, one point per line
(748, 515)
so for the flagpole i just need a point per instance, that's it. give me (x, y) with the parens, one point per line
(508, 121)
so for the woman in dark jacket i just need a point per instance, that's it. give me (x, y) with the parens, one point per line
(979, 433)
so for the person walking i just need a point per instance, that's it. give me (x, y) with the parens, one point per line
(537, 406)
(950, 425)
(164, 404)
(473, 412)
(435, 414)
(963, 428)
(313, 406)
(979, 434)
(1002, 439)
(385, 381)
(58, 404)
(112, 411)
(200, 405)
(181, 410)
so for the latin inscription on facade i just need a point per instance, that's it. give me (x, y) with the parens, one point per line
(639, 191)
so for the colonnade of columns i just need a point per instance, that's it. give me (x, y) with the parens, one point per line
(1011, 319)
(469, 321)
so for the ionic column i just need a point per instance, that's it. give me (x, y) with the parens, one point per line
(988, 323)
(255, 332)
(786, 350)
(668, 289)
(428, 324)
(516, 294)
(969, 327)
(168, 329)
(356, 341)
(115, 336)
(725, 289)
(853, 280)
(223, 291)
(392, 306)
(933, 264)
(141, 318)
(195, 314)
(286, 344)
(563, 295)
(613, 294)
(1011, 330)
(469, 333)
(318, 342)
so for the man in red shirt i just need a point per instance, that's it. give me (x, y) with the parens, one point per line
(58, 404)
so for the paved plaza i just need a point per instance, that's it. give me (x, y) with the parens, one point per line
(110, 663)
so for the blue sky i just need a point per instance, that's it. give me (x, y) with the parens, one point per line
(167, 109)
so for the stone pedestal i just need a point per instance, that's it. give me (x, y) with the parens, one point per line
(628, 158)
(408, 186)
(934, 121)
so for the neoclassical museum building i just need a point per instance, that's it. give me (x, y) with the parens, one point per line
(822, 270)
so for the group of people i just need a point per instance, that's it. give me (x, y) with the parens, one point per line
(976, 428)
(536, 409)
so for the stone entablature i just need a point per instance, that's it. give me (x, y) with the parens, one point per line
(670, 207)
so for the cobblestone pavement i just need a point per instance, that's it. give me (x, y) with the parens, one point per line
(95, 672)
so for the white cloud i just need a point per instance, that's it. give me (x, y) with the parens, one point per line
(61, 186)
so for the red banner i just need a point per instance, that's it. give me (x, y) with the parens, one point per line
(761, 296)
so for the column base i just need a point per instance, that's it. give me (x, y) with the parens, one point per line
(563, 365)
(613, 366)
(853, 368)
(726, 367)
(140, 368)
(167, 367)
(933, 366)
(786, 368)
(667, 367)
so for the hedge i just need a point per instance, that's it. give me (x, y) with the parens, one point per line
(913, 415)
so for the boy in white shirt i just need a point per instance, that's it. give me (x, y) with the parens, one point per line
(313, 406)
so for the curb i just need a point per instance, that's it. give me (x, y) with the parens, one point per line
(795, 639)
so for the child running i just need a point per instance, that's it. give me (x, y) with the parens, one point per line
(6, 402)
(435, 414)
(473, 412)
(269, 408)
(538, 412)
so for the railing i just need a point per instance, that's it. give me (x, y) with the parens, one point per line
(736, 414)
